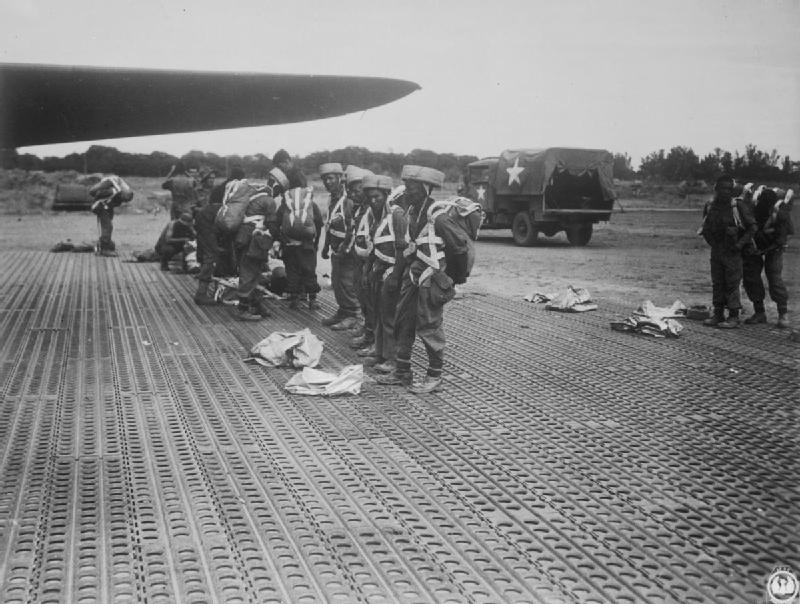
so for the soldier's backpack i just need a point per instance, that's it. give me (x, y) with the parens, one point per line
(234, 203)
(468, 217)
(298, 218)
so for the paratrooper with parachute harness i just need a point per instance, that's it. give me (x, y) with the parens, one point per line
(437, 258)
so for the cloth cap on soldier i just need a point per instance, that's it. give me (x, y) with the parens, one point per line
(331, 168)
(185, 218)
(355, 174)
(375, 181)
(425, 175)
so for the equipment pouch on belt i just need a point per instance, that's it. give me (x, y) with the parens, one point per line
(260, 245)
(442, 290)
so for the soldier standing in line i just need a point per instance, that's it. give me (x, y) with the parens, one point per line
(360, 210)
(728, 226)
(388, 244)
(339, 242)
(376, 190)
(426, 286)
(182, 184)
(765, 253)
(339, 220)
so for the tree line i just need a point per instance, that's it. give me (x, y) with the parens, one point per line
(678, 164)
(103, 159)
(682, 163)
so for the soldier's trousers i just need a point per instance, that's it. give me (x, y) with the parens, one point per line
(386, 300)
(301, 270)
(249, 273)
(417, 315)
(366, 298)
(207, 255)
(105, 225)
(344, 286)
(726, 277)
(168, 251)
(208, 262)
(772, 265)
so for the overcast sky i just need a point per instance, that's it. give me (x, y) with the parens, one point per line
(625, 75)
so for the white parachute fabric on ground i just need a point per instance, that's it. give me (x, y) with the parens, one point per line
(569, 300)
(314, 382)
(280, 349)
(652, 320)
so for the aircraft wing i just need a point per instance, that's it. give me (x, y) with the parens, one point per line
(42, 104)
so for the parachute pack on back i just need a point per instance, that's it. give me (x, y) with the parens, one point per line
(234, 203)
(468, 217)
(298, 221)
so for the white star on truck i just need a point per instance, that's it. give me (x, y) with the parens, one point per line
(514, 172)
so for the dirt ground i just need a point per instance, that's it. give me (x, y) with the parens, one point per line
(640, 254)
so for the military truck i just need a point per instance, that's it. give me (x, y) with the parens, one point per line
(547, 191)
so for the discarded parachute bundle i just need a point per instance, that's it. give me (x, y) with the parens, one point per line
(280, 349)
(322, 383)
(569, 300)
(652, 320)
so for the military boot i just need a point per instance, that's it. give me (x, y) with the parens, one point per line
(260, 307)
(345, 324)
(368, 351)
(757, 317)
(385, 367)
(783, 320)
(201, 297)
(732, 322)
(313, 305)
(294, 302)
(396, 378)
(332, 320)
(426, 386)
(715, 319)
(361, 341)
(244, 312)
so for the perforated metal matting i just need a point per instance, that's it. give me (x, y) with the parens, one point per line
(143, 461)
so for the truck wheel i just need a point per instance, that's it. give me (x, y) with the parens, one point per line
(522, 229)
(579, 234)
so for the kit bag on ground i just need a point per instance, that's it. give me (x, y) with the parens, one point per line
(298, 217)
(234, 204)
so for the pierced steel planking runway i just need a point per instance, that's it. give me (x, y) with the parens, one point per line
(142, 461)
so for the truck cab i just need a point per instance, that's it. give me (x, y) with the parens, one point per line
(546, 191)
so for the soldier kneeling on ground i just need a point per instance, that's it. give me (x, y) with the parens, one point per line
(172, 239)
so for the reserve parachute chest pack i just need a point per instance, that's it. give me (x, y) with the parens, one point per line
(298, 219)
(234, 204)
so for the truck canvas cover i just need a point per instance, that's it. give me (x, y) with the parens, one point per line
(528, 171)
